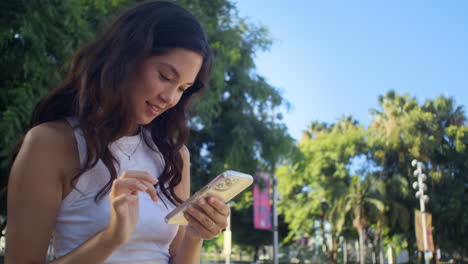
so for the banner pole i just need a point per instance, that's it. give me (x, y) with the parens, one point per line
(275, 220)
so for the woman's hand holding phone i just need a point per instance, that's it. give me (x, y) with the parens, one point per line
(124, 208)
(207, 217)
(224, 187)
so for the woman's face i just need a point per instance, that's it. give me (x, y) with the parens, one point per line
(160, 82)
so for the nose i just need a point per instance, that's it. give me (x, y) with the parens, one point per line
(168, 95)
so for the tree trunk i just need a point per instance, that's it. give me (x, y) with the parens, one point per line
(362, 249)
(332, 252)
(257, 248)
(358, 255)
(374, 260)
(345, 252)
(462, 255)
(327, 251)
(324, 238)
(381, 249)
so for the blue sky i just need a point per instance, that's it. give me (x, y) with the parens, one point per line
(334, 58)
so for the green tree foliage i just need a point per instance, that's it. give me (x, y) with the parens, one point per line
(365, 175)
(435, 133)
(319, 175)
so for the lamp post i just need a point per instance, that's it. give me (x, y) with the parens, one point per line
(420, 187)
(278, 116)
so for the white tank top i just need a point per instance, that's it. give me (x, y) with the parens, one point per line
(80, 217)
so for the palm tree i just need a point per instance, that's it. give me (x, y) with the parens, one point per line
(363, 203)
(396, 215)
(446, 111)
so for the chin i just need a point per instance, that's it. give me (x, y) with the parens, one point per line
(144, 121)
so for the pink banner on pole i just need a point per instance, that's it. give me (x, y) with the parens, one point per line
(262, 206)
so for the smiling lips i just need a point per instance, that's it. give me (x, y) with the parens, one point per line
(154, 109)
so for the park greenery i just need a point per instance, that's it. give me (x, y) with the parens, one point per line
(341, 182)
(358, 180)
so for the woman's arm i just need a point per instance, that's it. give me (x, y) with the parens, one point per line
(205, 222)
(39, 176)
(181, 249)
(35, 191)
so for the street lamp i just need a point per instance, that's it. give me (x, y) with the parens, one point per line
(420, 188)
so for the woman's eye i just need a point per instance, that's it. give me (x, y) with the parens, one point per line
(181, 89)
(163, 77)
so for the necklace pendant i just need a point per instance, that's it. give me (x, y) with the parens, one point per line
(125, 153)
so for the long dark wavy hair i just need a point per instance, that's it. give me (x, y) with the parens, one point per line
(94, 91)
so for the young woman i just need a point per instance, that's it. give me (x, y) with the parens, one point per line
(104, 160)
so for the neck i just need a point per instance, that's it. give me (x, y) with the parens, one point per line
(133, 131)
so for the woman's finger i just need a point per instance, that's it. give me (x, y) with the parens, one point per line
(199, 227)
(219, 205)
(203, 219)
(123, 199)
(141, 175)
(151, 190)
(209, 210)
(128, 184)
(145, 178)
(134, 184)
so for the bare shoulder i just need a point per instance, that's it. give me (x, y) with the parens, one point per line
(50, 144)
(54, 133)
(185, 153)
(183, 189)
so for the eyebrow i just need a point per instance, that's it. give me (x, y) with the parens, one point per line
(173, 69)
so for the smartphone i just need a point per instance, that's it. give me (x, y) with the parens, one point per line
(225, 186)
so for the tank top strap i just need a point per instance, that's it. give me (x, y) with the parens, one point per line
(79, 138)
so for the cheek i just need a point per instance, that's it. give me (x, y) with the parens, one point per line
(178, 99)
(146, 86)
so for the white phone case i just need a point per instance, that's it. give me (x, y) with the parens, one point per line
(225, 186)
